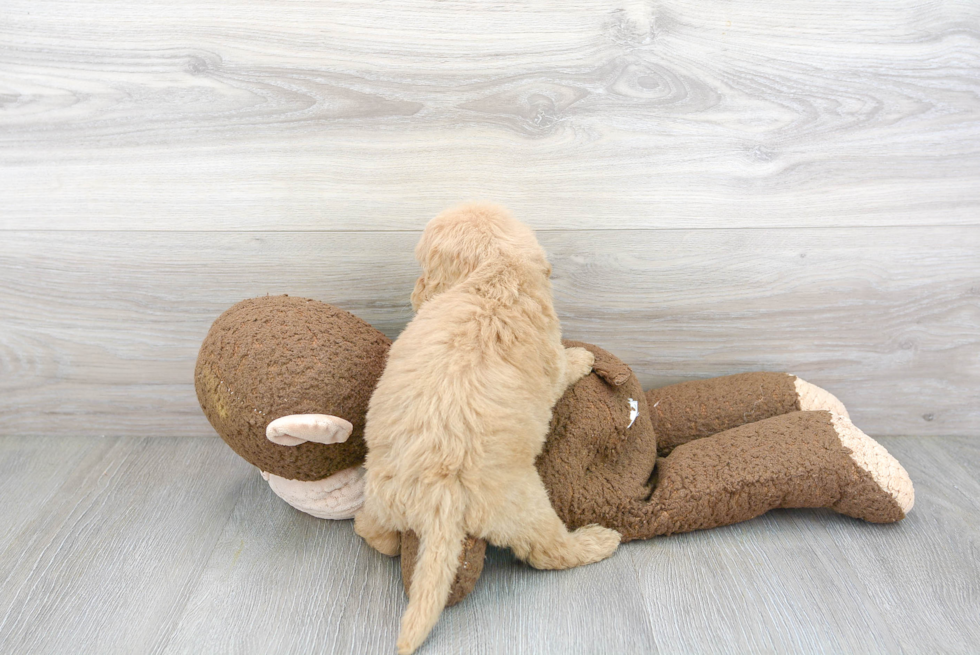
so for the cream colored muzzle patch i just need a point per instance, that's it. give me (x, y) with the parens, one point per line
(337, 497)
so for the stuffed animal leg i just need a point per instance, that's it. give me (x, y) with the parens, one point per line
(753, 451)
(737, 446)
(801, 459)
(701, 408)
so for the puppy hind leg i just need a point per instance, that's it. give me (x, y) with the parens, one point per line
(532, 529)
(371, 528)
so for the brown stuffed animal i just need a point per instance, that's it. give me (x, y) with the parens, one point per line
(313, 367)
(278, 374)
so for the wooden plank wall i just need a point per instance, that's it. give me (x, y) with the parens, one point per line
(721, 186)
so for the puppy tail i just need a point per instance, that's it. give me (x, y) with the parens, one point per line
(439, 550)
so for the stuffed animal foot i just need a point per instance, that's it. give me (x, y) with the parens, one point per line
(879, 489)
(339, 496)
(810, 398)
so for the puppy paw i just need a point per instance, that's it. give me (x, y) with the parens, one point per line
(594, 543)
(389, 544)
(580, 362)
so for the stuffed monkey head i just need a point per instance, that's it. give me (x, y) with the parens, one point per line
(278, 355)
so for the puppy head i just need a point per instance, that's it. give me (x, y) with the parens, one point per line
(474, 237)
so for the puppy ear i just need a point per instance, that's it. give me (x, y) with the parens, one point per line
(440, 270)
(419, 294)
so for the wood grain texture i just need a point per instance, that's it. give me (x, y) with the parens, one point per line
(109, 560)
(946, 503)
(279, 581)
(32, 472)
(898, 588)
(99, 331)
(267, 115)
(177, 546)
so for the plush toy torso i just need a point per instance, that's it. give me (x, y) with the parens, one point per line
(601, 451)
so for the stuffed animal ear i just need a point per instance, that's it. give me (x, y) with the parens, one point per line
(295, 429)
(607, 366)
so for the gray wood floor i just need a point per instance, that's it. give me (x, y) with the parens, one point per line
(175, 545)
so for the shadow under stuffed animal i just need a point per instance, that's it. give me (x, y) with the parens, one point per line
(286, 382)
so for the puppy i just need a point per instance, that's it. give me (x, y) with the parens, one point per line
(463, 408)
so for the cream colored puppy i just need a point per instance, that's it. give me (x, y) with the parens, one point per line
(463, 408)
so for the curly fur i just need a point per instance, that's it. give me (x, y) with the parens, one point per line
(463, 408)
